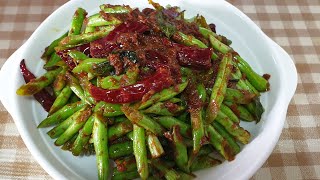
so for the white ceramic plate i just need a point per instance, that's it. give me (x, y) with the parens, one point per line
(261, 52)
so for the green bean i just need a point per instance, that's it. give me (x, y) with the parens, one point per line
(189, 40)
(54, 58)
(160, 108)
(77, 21)
(126, 175)
(62, 114)
(260, 83)
(216, 44)
(38, 84)
(61, 100)
(102, 69)
(169, 173)
(100, 142)
(206, 32)
(155, 147)
(184, 117)
(125, 164)
(68, 145)
(117, 119)
(99, 106)
(59, 83)
(98, 20)
(203, 162)
(240, 111)
(85, 85)
(110, 82)
(180, 149)
(219, 88)
(234, 129)
(236, 96)
(62, 127)
(130, 135)
(74, 127)
(142, 120)
(83, 137)
(256, 109)
(233, 144)
(237, 74)
(112, 110)
(204, 151)
(77, 55)
(87, 65)
(187, 72)
(74, 84)
(196, 116)
(120, 149)
(219, 143)
(50, 49)
(73, 98)
(168, 122)
(228, 112)
(75, 40)
(90, 29)
(140, 151)
(164, 95)
(119, 129)
(197, 128)
(243, 84)
(115, 9)
(185, 176)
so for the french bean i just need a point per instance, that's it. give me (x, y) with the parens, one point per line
(234, 129)
(119, 129)
(180, 149)
(260, 83)
(120, 149)
(115, 9)
(38, 84)
(196, 116)
(240, 111)
(83, 137)
(75, 40)
(219, 88)
(54, 59)
(62, 114)
(142, 120)
(140, 151)
(219, 143)
(50, 49)
(62, 127)
(168, 122)
(77, 21)
(164, 95)
(100, 142)
(74, 127)
(228, 112)
(61, 100)
(155, 147)
(233, 144)
(98, 20)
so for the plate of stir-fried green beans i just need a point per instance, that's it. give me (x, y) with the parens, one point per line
(152, 92)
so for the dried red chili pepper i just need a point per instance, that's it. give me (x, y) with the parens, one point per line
(158, 81)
